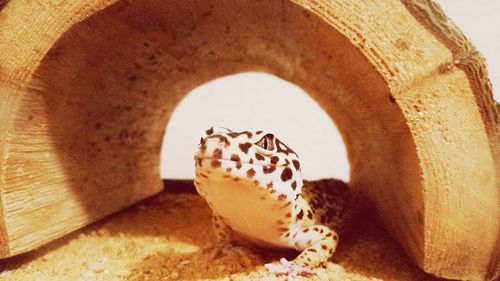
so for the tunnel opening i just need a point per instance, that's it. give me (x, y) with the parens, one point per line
(254, 100)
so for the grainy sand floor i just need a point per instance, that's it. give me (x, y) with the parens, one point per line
(162, 239)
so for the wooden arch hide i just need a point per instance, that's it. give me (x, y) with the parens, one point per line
(86, 88)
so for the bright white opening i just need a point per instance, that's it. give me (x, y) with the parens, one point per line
(260, 101)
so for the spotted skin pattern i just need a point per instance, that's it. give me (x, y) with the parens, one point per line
(252, 182)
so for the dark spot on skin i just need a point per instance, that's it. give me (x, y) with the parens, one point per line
(274, 160)
(238, 165)
(215, 163)
(228, 169)
(306, 230)
(272, 191)
(283, 229)
(209, 131)
(267, 169)
(235, 135)
(256, 182)
(258, 132)
(392, 99)
(324, 247)
(236, 179)
(296, 164)
(335, 237)
(312, 250)
(223, 139)
(287, 162)
(259, 157)
(235, 158)
(286, 205)
(270, 185)
(251, 173)
(294, 185)
(203, 147)
(97, 125)
(282, 197)
(288, 215)
(309, 214)
(300, 215)
(245, 146)
(330, 251)
(287, 234)
(286, 174)
(203, 175)
(251, 161)
(328, 234)
(217, 154)
(199, 160)
(281, 147)
(279, 222)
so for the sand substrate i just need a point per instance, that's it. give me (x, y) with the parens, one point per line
(162, 239)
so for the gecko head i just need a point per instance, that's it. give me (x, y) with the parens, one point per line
(254, 156)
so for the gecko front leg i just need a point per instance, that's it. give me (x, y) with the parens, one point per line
(317, 244)
(223, 232)
(224, 239)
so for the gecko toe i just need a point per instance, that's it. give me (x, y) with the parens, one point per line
(289, 268)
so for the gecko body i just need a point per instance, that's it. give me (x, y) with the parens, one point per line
(252, 182)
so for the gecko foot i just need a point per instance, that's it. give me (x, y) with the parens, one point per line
(285, 267)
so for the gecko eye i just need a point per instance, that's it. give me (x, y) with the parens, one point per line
(266, 142)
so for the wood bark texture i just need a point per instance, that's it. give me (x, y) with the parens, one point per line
(87, 88)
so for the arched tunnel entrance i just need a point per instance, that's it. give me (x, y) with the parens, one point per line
(254, 100)
(109, 85)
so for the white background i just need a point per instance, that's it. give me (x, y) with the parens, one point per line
(301, 124)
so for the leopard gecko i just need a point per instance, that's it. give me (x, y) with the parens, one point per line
(252, 182)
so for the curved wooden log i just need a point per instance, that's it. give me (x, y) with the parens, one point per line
(87, 87)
